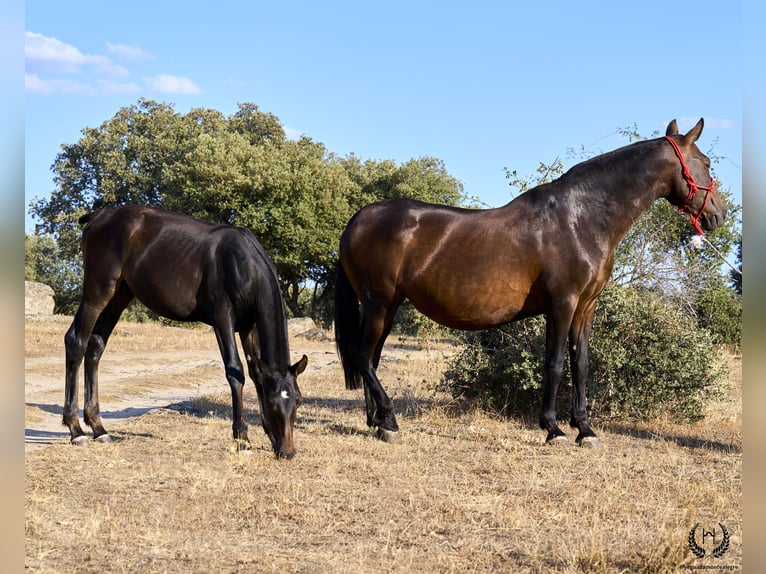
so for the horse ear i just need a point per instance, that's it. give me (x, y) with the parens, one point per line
(672, 128)
(693, 134)
(300, 366)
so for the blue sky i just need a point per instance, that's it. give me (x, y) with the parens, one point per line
(482, 86)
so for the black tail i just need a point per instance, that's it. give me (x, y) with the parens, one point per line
(347, 324)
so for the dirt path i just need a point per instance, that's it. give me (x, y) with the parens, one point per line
(128, 383)
(125, 389)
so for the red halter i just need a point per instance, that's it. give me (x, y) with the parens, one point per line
(693, 189)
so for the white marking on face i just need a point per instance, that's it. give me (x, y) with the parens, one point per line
(285, 395)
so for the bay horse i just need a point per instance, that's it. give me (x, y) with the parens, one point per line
(549, 251)
(184, 269)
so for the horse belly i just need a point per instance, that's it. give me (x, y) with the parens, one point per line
(489, 288)
(473, 308)
(168, 286)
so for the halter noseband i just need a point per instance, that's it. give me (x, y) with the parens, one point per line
(693, 189)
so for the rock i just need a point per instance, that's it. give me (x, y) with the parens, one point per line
(305, 328)
(38, 299)
(300, 325)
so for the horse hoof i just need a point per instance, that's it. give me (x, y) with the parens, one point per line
(81, 440)
(589, 442)
(104, 439)
(388, 436)
(241, 446)
(557, 441)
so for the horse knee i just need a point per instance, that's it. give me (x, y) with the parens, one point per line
(95, 348)
(74, 347)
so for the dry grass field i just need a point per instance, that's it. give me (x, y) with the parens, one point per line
(460, 492)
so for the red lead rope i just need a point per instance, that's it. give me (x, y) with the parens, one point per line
(693, 189)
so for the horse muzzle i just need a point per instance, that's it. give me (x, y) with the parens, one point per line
(711, 219)
(284, 447)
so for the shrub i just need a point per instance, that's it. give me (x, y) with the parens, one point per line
(646, 358)
(719, 310)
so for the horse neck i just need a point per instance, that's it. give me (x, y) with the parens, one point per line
(614, 190)
(271, 323)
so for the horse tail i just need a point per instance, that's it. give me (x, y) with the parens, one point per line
(347, 324)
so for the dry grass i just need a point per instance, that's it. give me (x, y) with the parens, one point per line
(460, 492)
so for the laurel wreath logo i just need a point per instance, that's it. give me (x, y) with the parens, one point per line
(700, 552)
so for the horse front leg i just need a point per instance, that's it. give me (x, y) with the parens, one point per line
(235, 375)
(579, 338)
(556, 327)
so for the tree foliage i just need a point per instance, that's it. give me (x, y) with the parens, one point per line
(295, 195)
(44, 263)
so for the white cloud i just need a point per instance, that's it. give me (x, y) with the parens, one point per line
(37, 85)
(130, 53)
(55, 67)
(50, 54)
(167, 84)
(33, 83)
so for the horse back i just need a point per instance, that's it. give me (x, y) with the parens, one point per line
(178, 266)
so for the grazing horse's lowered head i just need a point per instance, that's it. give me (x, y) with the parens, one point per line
(279, 406)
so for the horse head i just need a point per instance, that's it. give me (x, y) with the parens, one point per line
(693, 189)
(280, 400)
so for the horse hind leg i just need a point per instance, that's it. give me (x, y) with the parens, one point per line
(99, 290)
(75, 342)
(376, 326)
(93, 352)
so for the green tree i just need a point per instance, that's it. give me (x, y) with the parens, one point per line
(297, 203)
(735, 275)
(295, 195)
(43, 263)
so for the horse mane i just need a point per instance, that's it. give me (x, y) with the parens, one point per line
(606, 161)
(84, 220)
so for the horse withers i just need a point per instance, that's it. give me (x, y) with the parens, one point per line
(549, 251)
(184, 269)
